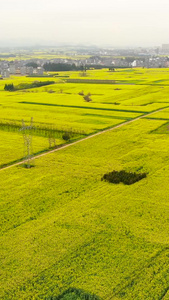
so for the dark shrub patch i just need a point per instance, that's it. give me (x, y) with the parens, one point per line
(28, 165)
(81, 93)
(87, 98)
(123, 176)
(9, 87)
(66, 136)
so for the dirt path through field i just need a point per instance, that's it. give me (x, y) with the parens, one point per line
(86, 138)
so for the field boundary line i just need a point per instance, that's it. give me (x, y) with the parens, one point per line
(85, 138)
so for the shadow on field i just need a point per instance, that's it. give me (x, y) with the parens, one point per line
(74, 294)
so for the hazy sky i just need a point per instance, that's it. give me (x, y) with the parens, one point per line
(113, 22)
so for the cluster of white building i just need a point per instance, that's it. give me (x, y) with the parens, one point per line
(152, 62)
(6, 71)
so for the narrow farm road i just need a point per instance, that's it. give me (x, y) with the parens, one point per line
(86, 138)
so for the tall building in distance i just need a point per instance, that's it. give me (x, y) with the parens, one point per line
(165, 48)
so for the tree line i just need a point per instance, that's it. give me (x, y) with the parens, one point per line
(52, 67)
(10, 87)
(56, 67)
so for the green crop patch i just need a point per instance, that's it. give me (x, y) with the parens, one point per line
(123, 176)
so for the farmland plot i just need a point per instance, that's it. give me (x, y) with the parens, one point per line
(61, 226)
(72, 229)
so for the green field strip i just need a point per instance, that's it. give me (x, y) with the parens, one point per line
(82, 107)
(90, 81)
(107, 116)
(152, 118)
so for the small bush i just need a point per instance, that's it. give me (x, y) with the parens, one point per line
(51, 91)
(123, 176)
